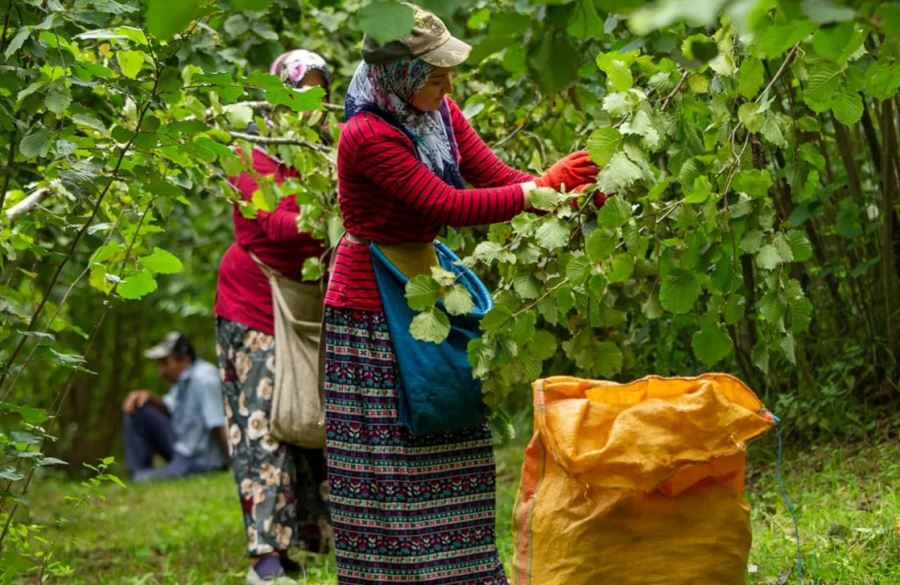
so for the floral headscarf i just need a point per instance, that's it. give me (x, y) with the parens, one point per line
(293, 66)
(390, 87)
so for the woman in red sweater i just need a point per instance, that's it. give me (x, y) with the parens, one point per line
(278, 484)
(409, 508)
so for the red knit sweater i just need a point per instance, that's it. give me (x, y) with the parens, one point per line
(387, 195)
(243, 293)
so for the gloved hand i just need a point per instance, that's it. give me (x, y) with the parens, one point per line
(572, 171)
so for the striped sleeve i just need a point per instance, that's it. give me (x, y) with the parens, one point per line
(384, 156)
(479, 165)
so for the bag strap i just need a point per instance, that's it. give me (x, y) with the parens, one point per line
(266, 269)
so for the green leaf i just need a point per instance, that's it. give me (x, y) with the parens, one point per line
(679, 291)
(432, 325)
(622, 267)
(443, 277)
(525, 284)
(798, 306)
(748, 115)
(700, 192)
(10, 473)
(824, 11)
(421, 292)
(838, 43)
(751, 241)
(555, 64)
(882, 78)
(130, 62)
(89, 120)
(585, 22)
(618, 72)
(313, 269)
(264, 199)
(822, 85)
(768, 257)
(45, 461)
(239, 116)
(544, 198)
(136, 285)
(58, 99)
(31, 414)
(753, 182)
(254, 5)
(495, 319)
(17, 41)
(543, 346)
(578, 270)
(614, 213)
(642, 124)
(458, 301)
(385, 20)
(162, 262)
(734, 309)
(800, 246)
(603, 143)
(657, 15)
(711, 344)
(36, 143)
(847, 106)
(778, 38)
(167, 17)
(771, 130)
(760, 356)
(608, 359)
(698, 83)
(651, 308)
(750, 77)
(68, 359)
(787, 348)
(552, 233)
(600, 244)
(623, 103)
(658, 189)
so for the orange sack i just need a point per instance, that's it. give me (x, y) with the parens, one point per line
(636, 484)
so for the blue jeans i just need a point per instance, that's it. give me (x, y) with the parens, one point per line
(149, 431)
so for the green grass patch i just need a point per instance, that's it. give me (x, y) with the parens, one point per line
(190, 531)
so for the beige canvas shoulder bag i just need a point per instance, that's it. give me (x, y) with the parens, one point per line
(298, 407)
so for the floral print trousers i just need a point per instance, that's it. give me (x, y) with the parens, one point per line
(282, 487)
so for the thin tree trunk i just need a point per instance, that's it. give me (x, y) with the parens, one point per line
(888, 194)
(845, 147)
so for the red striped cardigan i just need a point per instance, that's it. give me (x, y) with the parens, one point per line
(387, 195)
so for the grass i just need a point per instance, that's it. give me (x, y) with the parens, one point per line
(190, 531)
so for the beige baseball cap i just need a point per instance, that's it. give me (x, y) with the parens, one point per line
(429, 41)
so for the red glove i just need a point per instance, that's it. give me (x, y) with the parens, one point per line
(572, 171)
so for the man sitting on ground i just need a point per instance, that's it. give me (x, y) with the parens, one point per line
(186, 426)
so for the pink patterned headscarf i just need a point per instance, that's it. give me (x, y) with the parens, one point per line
(293, 66)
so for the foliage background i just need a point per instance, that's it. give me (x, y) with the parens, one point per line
(751, 147)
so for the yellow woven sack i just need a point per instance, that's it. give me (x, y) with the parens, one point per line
(636, 484)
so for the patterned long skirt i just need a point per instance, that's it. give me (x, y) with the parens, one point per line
(279, 485)
(405, 509)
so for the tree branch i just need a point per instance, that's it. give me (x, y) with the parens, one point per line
(672, 93)
(32, 200)
(323, 150)
(5, 27)
(10, 159)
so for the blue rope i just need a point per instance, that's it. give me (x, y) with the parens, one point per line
(779, 477)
